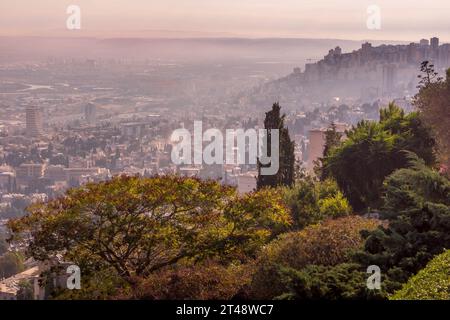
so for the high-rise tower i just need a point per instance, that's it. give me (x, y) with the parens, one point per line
(90, 113)
(34, 121)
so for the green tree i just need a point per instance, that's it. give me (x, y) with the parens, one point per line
(332, 140)
(433, 100)
(136, 226)
(374, 150)
(417, 204)
(311, 201)
(328, 243)
(286, 173)
(340, 282)
(431, 283)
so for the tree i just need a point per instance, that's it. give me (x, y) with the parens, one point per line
(373, 150)
(10, 264)
(332, 140)
(340, 282)
(431, 283)
(312, 201)
(428, 76)
(433, 101)
(136, 226)
(286, 173)
(328, 243)
(417, 205)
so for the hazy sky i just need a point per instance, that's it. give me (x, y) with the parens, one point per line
(346, 19)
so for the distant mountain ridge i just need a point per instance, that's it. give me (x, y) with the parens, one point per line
(191, 48)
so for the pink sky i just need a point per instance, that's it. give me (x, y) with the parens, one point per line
(346, 19)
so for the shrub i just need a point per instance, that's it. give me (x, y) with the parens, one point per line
(344, 281)
(328, 243)
(433, 282)
(335, 206)
(312, 201)
(417, 203)
(205, 281)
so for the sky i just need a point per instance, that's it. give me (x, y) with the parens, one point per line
(407, 20)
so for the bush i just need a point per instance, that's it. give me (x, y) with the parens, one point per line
(206, 281)
(335, 206)
(417, 203)
(312, 201)
(344, 281)
(329, 243)
(433, 282)
(102, 284)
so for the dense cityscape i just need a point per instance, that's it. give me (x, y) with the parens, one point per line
(100, 201)
(51, 142)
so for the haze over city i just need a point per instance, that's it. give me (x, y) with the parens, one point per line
(241, 150)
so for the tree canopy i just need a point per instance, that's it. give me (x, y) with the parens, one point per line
(135, 226)
(312, 201)
(327, 244)
(344, 281)
(417, 205)
(286, 172)
(433, 102)
(373, 150)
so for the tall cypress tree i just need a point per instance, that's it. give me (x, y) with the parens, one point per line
(332, 139)
(285, 174)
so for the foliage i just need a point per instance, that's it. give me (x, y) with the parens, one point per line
(373, 150)
(334, 206)
(332, 140)
(11, 263)
(286, 173)
(431, 283)
(428, 76)
(205, 281)
(312, 201)
(3, 245)
(433, 101)
(328, 243)
(136, 226)
(414, 187)
(340, 282)
(102, 284)
(25, 291)
(417, 203)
